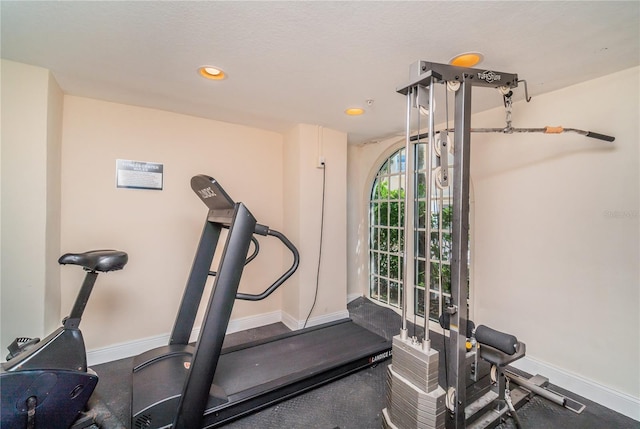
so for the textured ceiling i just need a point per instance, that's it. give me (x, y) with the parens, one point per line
(305, 62)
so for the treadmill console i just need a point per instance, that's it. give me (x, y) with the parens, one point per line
(220, 204)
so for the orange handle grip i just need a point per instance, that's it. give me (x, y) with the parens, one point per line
(553, 130)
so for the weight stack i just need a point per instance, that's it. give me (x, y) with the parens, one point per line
(414, 398)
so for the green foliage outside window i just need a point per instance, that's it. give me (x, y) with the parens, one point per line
(387, 242)
(387, 238)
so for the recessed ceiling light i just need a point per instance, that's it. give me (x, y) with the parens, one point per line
(354, 111)
(468, 59)
(212, 72)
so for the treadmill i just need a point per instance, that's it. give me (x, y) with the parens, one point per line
(186, 386)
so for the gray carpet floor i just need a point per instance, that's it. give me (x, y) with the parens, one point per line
(355, 401)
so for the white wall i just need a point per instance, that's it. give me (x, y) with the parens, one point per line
(158, 229)
(364, 161)
(46, 135)
(555, 233)
(304, 145)
(31, 140)
(52, 297)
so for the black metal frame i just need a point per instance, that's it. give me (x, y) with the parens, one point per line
(241, 224)
(176, 385)
(195, 393)
(424, 73)
(223, 213)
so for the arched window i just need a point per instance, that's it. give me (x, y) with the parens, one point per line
(386, 232)
(386, 236)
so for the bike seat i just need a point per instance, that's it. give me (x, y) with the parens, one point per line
(96, 260)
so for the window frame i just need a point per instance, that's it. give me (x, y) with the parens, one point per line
(391, 170)
(443, 292)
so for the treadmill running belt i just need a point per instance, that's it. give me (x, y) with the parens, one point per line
(294, 355)
(260, 375)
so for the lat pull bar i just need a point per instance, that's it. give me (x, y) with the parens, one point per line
(545, 130)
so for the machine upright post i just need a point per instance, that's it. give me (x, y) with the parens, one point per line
(407, 226)
(426, 343)
(195, 393)
(460, 249)
(196, 283)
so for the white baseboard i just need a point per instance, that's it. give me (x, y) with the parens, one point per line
(603, 395)
(244, 323)
(133, 348)
(353, 296)
(295, 324)
(290, 321)
(125, 350)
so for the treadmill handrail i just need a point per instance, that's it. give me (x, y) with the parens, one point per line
(251, 257)
(275, 285)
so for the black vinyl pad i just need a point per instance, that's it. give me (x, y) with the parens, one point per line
(496, 339)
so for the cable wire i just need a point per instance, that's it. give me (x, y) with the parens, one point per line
(446, 364)
(315, 297)
(415, 233)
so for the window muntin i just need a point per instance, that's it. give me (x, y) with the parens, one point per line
(386, 233)
(386, 230)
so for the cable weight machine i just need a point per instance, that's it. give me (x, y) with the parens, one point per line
(415, 399)
(507, 93)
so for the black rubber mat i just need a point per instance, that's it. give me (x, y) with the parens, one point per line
(356, 401)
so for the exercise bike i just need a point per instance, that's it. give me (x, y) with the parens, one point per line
(46, 384)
